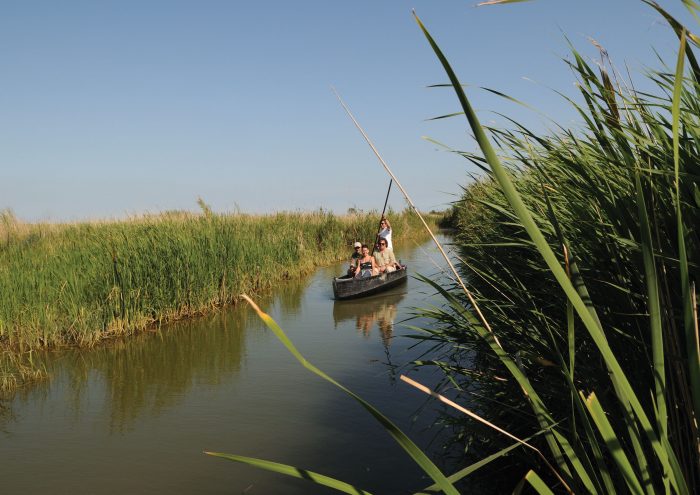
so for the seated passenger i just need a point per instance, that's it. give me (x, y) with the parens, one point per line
(356, 255)
(385, 258)
(366, 266)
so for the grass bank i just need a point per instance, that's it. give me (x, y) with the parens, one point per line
(81, 283)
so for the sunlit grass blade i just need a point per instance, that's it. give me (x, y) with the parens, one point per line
(406, 443)
(656, 331)
(571, 341)
(294, 472)
(535, 482)
(584, 472)
(691, 349)
(601, 473)
(446, 116)
(613, 443)
(693, 8)
(681, 32)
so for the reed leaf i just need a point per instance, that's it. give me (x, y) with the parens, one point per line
(491, 157)
(294, 472)
(544, 417)
(693, 357)
(656, 330)
(536, 482)
(678, 28)
(613, 444)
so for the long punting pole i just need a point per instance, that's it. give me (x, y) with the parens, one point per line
(468, 293)
(413, 207)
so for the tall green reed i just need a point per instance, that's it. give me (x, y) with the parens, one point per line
(578, 248)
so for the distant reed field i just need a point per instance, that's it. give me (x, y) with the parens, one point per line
(79, 283)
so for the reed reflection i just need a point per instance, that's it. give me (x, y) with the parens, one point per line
(288, 297)
(149, 373)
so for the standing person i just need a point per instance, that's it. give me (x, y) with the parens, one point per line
(385, 232)
(367, 265)
(356, 255)
(385, 258)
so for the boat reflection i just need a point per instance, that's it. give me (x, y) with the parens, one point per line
(365, 312)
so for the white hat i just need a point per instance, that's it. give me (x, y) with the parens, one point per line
(357, 244)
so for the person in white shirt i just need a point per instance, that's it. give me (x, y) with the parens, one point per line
(385, 232)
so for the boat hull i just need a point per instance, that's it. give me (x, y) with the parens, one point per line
(348, 287)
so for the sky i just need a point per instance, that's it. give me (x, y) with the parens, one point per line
(117, 108)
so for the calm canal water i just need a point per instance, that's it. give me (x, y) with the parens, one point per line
(135, 417)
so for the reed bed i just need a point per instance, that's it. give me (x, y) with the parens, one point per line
(81, 283)
(582, 252)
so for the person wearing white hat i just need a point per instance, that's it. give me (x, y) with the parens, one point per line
(356, 255)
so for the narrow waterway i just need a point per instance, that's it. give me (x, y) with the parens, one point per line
(135, 417)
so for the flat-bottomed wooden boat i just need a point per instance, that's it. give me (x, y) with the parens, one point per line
(349, 287)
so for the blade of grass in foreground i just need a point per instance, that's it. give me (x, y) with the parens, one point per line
(411, 448)
(294, 472)
(537, 483)
(693, 357)
(611, 440)
(656, 331)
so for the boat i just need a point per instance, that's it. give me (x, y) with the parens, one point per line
(349, 287)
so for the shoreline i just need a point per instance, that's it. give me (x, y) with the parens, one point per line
(84, 285)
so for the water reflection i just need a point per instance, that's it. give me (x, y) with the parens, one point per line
(288, 297)
(150, 373)
(380, 309)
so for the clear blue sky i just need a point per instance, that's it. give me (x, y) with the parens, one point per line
(110, 108)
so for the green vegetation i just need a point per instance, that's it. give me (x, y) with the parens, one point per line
(581, 250)
(81, 283)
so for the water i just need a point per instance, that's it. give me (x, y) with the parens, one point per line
(136, 416)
